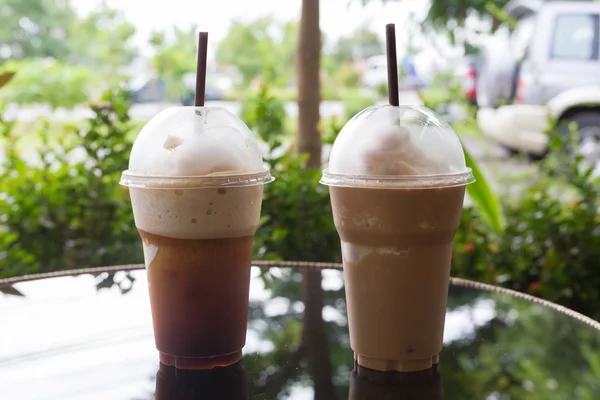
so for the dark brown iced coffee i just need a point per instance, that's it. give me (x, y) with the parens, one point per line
(196, 181)
(197, 308)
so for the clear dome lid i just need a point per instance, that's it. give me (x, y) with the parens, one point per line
(406, 146)
(181, 143)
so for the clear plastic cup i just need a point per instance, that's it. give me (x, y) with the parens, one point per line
(397, 179)
(196, 181)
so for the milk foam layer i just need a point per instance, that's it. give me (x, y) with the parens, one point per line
(207, 213)
(397, 141)
(193, 145)
(193, 141)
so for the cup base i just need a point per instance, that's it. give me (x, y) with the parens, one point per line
(379, 364)
(196, 363)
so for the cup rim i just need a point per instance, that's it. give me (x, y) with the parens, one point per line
(133, 180)
(434, 181)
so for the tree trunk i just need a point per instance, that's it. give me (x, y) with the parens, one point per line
(308, 64)
(314, 337)
(308, 140)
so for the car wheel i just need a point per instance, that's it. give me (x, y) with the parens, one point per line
(588, 128)
(510, 151)
(536, 157)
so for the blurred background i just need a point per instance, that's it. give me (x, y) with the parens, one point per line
(518, 80)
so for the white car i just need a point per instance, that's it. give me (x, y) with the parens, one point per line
(550, 67)
(523, 127)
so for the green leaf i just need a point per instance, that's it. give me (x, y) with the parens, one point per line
(593, 359)
(497, 12)
(483, 196)
(6, 77)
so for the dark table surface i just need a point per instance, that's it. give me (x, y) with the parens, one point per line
(90, 337)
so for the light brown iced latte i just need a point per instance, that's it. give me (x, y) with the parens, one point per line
(397, 205)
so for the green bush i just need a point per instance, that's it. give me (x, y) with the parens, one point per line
(551, 243)
(265, 114)
(345, 76)
(296, 222)
(63, 207)
(382, 90)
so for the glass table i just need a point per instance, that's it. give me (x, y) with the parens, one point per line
(90, 337)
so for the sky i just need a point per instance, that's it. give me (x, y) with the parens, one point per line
(338, 17)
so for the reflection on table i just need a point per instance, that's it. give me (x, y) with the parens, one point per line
(76, 342)
(366, 384)
(230, 383)
(227, 383)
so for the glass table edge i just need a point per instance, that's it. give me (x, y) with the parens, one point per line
(308, 265)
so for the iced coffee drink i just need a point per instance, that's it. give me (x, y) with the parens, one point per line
(397, 179)
(196, 181)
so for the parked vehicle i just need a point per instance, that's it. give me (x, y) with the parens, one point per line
(550, 68)
(217, 87)
(415, 71)
(375, 72)
(147, 89)
(468, 76)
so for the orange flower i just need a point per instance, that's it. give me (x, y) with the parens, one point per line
(470, 247)
(534, 286)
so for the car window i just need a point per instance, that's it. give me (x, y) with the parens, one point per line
(575, 37)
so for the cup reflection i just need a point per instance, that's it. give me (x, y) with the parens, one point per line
(367, 384)
(226, 383)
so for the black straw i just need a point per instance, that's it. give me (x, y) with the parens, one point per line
(392, 64)
(201, 70)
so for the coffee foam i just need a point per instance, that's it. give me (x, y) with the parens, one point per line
(200, 143)
(194, 141)
(207, 213)
(393, 153)
(387, 141)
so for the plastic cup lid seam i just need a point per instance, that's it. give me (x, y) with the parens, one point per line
(398, 181)
(130, 179)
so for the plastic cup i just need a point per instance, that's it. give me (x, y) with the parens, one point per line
(397, 179)
(196, 181)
